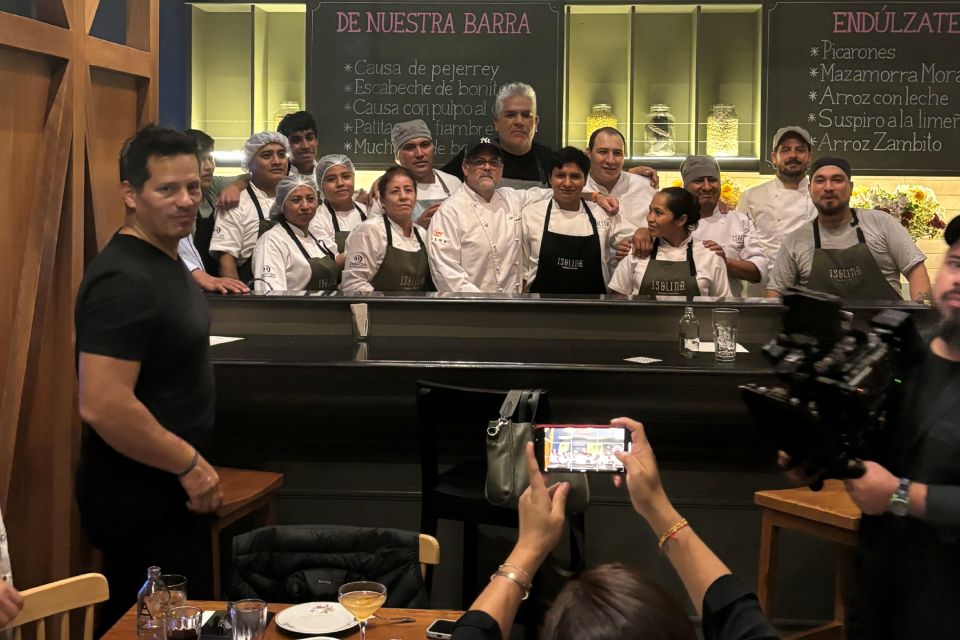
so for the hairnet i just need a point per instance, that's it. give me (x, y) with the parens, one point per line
(327, 162)
(257, 140)
(285, 188)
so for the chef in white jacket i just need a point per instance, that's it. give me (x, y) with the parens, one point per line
(340, 213)
(567, 241)
(781, 206)
(414, 150)
(634, 191)
(678, 265)
(290, 256)
(236, 230)
(730, 235)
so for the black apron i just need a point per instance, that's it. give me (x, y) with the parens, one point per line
(403, 270)
(851, 273)
(202, 235)
(341, 236)
(569, 264)
(324, 272)
(667, 278)
(264, 224)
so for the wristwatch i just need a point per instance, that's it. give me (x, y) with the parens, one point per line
(900, 500)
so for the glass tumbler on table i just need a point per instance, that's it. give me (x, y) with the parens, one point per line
(362, 599)
(725, 334)
(183, 623)
(176, 587)
(248, 619)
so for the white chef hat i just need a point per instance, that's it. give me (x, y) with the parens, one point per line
(257, 140)
(327, 162)
(287, 186)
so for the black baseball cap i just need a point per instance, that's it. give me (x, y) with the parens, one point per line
(840, 163)
(483, 143)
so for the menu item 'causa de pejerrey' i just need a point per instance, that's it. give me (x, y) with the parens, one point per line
(373, 64)
(875, 83)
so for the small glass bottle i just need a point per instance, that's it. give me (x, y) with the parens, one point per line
(689, 334)
(601, 115)
(152, 602)
(658, 133)
(723, 125)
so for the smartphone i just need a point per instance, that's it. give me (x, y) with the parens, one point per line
(580, 447)
(441, 629)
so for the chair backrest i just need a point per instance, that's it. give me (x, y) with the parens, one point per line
(429, 553)
(51, 604)
(452, 423)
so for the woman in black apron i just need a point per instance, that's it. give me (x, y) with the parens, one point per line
(398, 269)
(674, 214)
(289, 256)
(335, 175)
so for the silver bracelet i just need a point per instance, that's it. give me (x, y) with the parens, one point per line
(516, 578)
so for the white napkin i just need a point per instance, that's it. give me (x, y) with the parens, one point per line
(643, 360)
(215, 340)
(709, 347)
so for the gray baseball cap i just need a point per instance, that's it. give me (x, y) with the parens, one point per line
(797, 131)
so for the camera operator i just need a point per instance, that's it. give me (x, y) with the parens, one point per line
(907, 570)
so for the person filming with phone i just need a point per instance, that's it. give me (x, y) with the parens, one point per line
(613, 601)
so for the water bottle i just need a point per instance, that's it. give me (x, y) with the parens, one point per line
(152, 600)
(689, 334)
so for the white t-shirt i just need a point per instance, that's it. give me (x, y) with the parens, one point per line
(475, 245)
(735, 233)
(278, 262)
(891, 246)
(235, 231)
(187, 251)
(711, 269)
(366, 248)
(569, 223)
(429, 192)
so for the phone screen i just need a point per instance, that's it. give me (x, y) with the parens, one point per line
(441, 629)
(580, 447)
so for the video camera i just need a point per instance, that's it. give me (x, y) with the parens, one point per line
(840, 386)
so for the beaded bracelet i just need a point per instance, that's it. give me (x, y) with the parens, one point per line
(525, 587)
(192, 465)
(672, 532)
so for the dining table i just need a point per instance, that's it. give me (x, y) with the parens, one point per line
(379, 628)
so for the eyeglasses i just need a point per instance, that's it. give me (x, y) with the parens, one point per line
(478, 163)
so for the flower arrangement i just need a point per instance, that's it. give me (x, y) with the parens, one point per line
(915, 206)
(729, 192)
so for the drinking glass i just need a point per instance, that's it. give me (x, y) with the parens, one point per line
(183, 623)
(362, 599)
(725, 334)
(177, 588)
(248, 618)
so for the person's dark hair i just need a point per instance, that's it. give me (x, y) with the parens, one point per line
(297, 121)
(152, 141)
(204, 141)
(569, 155)
(392, 173)
(682, 202)
(613, 602)
(952, 232)
(610, 130)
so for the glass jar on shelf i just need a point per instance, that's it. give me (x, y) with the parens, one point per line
(722, 131)
(601, 115)
(286, 108)
(658, 132)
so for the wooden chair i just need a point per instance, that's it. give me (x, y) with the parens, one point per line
(829, 514)
(245, 493)
(51, 604)
(429, 553)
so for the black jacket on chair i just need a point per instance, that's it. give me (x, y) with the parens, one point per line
(306, 563)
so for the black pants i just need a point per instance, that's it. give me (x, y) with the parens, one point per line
(139, 519)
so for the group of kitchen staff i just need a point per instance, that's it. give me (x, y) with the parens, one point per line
(511, 217)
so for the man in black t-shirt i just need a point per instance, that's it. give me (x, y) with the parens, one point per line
(908, 561)
(145, 381)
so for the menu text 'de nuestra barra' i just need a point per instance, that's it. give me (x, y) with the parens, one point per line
(389, 62)
(879, 87)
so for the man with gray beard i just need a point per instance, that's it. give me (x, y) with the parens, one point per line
(907, 573)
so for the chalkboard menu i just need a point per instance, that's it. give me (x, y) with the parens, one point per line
(373, 64)
(876, 83)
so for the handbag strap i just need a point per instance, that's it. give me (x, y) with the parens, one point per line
(528, 405)
(506, 411)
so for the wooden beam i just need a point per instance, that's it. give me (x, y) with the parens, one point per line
(90, 12)
(22, 33)
(139, 27)
(119, 58)
(37, 271)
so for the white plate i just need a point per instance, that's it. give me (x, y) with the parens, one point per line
(316, 618)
